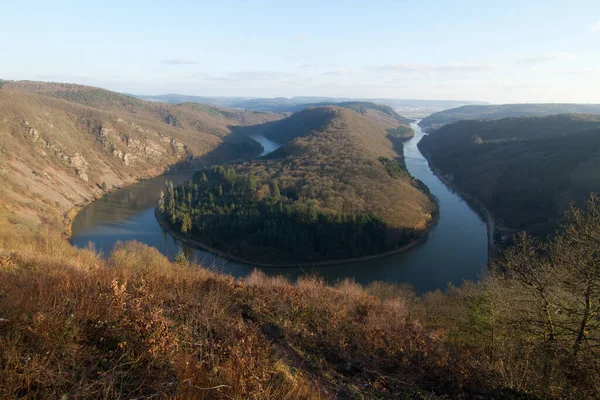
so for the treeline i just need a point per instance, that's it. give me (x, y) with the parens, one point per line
(395, 168)
(243, 216)
(401, 132)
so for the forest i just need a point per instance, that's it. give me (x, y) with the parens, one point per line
(226, 211)
(335, 190)
(525, 170)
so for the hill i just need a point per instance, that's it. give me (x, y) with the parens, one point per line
(293, 104)
(439, 119)
(525, 170)
(60, 143)
(335, 190)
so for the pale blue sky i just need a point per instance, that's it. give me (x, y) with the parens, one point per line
(497, 51)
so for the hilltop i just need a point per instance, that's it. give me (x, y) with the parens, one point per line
(525, 170)
(335, 190)
(60, 144)
(439, 119)
(293, 104)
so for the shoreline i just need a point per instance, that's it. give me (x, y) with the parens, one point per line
(199, 245)
(473, 203)
(70, 215)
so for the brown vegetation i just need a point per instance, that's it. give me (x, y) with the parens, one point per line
(74, 324)
(135, 325)
(59, 143)
(332, 154)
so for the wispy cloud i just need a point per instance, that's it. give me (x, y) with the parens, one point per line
(308, 66)
(595, 27)
(253, 76)
(179, 61)
(547, 58)
(430, 68)
(338, 72)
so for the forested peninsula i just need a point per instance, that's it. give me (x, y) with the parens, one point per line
(336, 190)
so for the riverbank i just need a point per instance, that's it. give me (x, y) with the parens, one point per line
(473, 202)
(199, 245)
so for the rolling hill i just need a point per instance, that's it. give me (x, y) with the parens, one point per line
(439, 119)
(59, 143)
(293, 104)
(335, 190)
(525, 170)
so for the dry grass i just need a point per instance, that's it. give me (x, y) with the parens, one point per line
(76, 325)
(136, 325)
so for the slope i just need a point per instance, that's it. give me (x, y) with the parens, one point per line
(525, 170)
(60, 143)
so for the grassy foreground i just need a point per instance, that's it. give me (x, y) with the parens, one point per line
(74, 324)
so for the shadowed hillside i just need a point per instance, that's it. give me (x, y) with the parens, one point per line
(525, 170)
(439, 119)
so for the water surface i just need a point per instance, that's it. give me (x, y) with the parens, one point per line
(455, 250)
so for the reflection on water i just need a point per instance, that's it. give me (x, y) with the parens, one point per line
(455, 250)
(268, 145)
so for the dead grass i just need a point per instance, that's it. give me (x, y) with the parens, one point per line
(136, 325)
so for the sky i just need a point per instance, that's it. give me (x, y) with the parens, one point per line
(497, 51)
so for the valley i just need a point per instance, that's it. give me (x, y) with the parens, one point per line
(455, 248)
(417, 313)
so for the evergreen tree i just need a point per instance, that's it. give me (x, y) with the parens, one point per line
(186, 223)
(161, 202)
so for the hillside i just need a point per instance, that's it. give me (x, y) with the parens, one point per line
(60, 143)
(525, 170)
(284, 104)
(336, 181)
(439, 119)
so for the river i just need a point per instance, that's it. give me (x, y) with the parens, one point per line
(455, 250)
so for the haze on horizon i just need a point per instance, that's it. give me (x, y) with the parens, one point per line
(507, 52)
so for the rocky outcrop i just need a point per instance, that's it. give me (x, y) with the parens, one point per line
(77, 161)
(129, 150)
(80, 165)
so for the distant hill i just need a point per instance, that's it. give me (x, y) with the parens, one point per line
(439, 119)
(362, 107)
(293, 104)
(399, 126)
(335, 190)
(59, 143)
(525, 170)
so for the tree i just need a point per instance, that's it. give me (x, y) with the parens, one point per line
(161, 202)
(104, 186)
(275, 190)
(186, 223)
(577, 252)
(550, 301)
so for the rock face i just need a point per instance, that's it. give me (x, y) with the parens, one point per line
(131, 150)
(80, 165)
(77, 161)
(116, 141)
